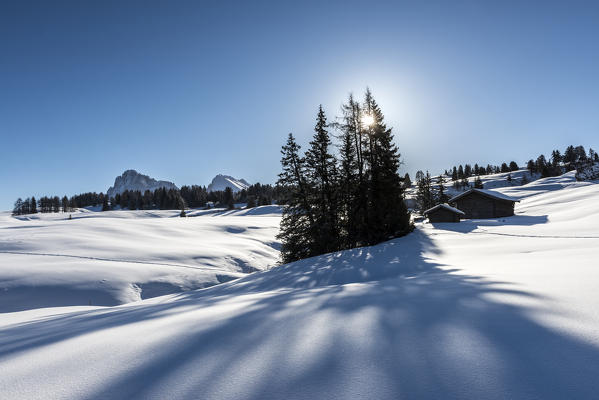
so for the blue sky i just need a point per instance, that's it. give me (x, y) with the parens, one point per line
(185, 90)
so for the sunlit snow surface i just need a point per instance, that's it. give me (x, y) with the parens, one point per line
(115, 257)
(483, 309)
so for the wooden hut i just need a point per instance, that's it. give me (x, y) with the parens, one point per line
(482, 203)
(443, 213)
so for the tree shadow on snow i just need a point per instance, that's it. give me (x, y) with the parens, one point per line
(411, 329)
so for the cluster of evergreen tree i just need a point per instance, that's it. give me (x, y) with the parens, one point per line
(260, 195)
(466, 171)
(560, 163)
(337, 202)
(54, 204)
(160, 198)
(163, 199)
(194, 196)
(431, 192)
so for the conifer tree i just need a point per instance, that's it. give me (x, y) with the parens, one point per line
(320, 167)
(478, 183)
(353, 180)
(442, 196)
(424, 195)
(33, 206)
(228, 198)
(297, 221)
(407, 182)
(105, 204)
(388, 215)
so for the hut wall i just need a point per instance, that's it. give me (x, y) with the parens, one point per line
(476, 205)
(504, 209)
(443, 215)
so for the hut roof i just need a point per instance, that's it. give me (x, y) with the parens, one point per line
(485, 192)
(445, 206)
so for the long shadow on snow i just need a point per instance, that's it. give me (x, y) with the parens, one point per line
(411, 330)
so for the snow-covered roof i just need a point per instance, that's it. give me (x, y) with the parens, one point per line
(445, 206)
(485, 192)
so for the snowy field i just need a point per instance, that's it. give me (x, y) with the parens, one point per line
(483, 309)
(116, 257)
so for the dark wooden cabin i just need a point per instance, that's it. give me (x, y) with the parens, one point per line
(443, 213)
(481, 203)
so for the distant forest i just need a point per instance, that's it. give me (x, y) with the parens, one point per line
(159, 199)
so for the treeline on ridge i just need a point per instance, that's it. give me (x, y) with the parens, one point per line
(188, 196)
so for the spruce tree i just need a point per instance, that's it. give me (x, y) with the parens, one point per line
(424, 195)
(320, 167)
(478, 183)
(33, 206)
(353, 180)
(407, 182)
(442, 196)
(388, 215)
(297, 221)
(228, 198)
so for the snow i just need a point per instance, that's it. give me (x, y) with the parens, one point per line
(493, 309)
(445, 206)
(221, 182)
(132, 180)
(115, 257)
(491, 193)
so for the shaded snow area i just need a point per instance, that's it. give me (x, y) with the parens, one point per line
(116, 257)
(481, 309)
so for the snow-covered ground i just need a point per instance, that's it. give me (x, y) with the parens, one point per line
(483, 309)
(115, 257)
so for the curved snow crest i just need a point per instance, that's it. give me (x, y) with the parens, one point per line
(132, 180)
(221, 182)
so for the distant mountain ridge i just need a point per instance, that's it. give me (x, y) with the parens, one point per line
(221, 182)
(132, 180)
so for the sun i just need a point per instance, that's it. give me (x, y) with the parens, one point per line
(367, 120)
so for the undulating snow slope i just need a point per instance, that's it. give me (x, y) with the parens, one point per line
(115, 257)
(483, 309)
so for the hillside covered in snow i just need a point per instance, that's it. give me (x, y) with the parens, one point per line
(481, 309)
(116, 257)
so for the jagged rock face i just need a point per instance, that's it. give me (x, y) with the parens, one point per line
(132, 180)
(221, 182)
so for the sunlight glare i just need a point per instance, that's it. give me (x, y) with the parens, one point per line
(367, 120)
